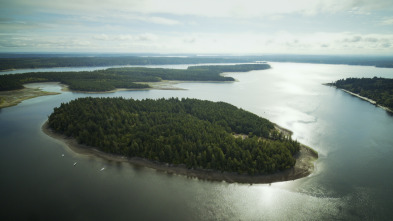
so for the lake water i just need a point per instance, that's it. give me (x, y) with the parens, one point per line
(353, 178)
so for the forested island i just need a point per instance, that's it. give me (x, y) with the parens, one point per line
(130, 77)
(195, 134)
(378, 91)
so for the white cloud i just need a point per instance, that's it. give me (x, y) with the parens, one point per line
(43, 42)
(102, 37)
(353, 39)
(198, 26)
(387, 21)
(256, 8)
(163, 21)
(280, 42)
(216, 8)
(144, 18)
(125, 37)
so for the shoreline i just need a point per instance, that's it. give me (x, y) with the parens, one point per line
(304, 164)
(160, 85)
(367, 99)
(14, 97)
(363, 98)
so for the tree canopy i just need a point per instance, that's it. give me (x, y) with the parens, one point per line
(196, 133)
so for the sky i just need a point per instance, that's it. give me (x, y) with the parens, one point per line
(359, 27)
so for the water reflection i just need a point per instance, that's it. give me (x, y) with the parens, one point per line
(351, 180)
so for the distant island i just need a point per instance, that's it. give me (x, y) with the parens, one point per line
(209, 140)
(378, 91)
(129, 78)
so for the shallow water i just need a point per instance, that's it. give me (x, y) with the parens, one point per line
(352, 180)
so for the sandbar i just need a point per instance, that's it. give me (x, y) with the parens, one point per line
(14, 97)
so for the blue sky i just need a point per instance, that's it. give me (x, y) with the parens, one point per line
(199, 27)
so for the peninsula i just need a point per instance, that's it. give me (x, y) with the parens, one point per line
(14, 97)
(204, 139)
(378, 91)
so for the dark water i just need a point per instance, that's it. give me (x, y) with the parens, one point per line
(353, 179)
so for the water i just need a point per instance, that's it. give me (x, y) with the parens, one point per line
(352, 181)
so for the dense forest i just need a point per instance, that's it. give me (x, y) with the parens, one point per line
(196, 133)
(112, 78)
(377, 89)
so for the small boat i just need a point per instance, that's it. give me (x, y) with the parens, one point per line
(102, 169)
(62, 155)
(75, 163)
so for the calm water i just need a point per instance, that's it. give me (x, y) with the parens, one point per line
(353, 179)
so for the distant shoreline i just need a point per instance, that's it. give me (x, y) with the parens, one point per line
(304, 164)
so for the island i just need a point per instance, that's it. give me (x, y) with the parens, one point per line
(198, 138)
(378, 91)
(129, 77)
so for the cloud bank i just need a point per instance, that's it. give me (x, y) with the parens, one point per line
(174, 26)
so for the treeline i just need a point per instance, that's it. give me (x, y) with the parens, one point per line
(191, 132)
(112, 78)
(23, 61)
(50, 62)
(377, 89)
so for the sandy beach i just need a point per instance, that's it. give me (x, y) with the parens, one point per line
(366, 99)
(161, 85)
(14, 97)
(304, 164)
(361, 97)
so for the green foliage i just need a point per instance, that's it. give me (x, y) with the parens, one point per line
(7, 83)
(109, 79)
(195, 133)
(377, 89)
